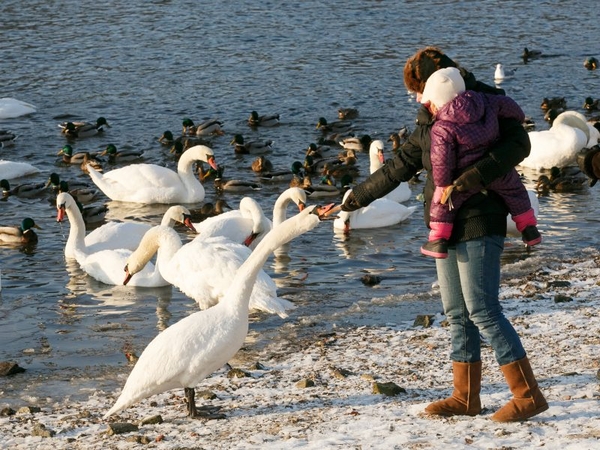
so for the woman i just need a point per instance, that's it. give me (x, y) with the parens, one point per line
(469, 277)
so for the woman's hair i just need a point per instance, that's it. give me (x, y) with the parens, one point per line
(422, 64)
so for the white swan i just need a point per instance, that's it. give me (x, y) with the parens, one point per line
(249, 224)
(190, 350)
(380, 213)
(10, 170)
(202, 269)
(558, 146)
(103, 253)
(11, 108)
(150, 183)
(112, 235)
(376, 158)
(511, 226)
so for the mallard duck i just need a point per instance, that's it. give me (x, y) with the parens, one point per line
(206, 128)
(223, 185)
(92, 214)
(590, 104)
(558, 103)
(204, 173)
(25, 190)
(590, 63)
(398, 139)
(530, 54)
(261, 165)
(256, 120)
(7, 138)
(551, 114)
(83, 129)
(23, 234)
(89, 160)
(337, 171)
(83, 195)
(167, 138)
(340, 126)
(68, 157)
(528, 123)
(589, 163)
(242, 147)
(558, 181)
(115, 156)
(327, 187)
(359, 144)
(54, 182)
(347, 113)
(209, 210)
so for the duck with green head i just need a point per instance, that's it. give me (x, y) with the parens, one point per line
(115, 156)
(22, 234)
(83, 129)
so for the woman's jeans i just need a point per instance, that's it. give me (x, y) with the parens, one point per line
(469, 283)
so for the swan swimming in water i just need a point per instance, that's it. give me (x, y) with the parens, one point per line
(559, 146)
(102, 254)
(11, 108)
(376, 158)
(190, 350)
(10, 170)
(112, 235)
(151, 183)
(249, 224)
(380, 213)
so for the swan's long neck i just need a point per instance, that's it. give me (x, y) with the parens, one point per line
(161, 239)
(76, 239)
(186, 174)
(238, 294)
(280, 210)
(375, 162)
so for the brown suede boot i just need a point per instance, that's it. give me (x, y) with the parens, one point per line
(464, 401)
(528, 400)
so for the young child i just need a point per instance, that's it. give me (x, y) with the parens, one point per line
(466, 124)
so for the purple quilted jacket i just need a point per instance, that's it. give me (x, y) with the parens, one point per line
(464, 129)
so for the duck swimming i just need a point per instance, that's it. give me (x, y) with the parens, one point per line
(68, 157)
(256, 120)
(22, 234)
(115, 156)
(7, 138)
(240, 146)
(151, 183)
(190, 350)
(25, 190)
(83, 129)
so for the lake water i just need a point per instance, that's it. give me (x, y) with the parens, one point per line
(145, 65)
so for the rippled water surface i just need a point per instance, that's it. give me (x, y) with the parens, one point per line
(147, 65)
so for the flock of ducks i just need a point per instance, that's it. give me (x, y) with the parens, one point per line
(230, 246)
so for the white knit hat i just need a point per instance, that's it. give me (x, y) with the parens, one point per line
(442, 86)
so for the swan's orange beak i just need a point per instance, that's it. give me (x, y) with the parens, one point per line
(250, 239)
(60, 215)
(327, 210)
(187, 221)
(211, 161)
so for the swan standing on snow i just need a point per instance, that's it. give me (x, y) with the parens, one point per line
(202, 269)
(380, 213)
(190, 350)
(150, 183)
(249, 224)
(110, 236)
(376, 157)
(558, 146)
